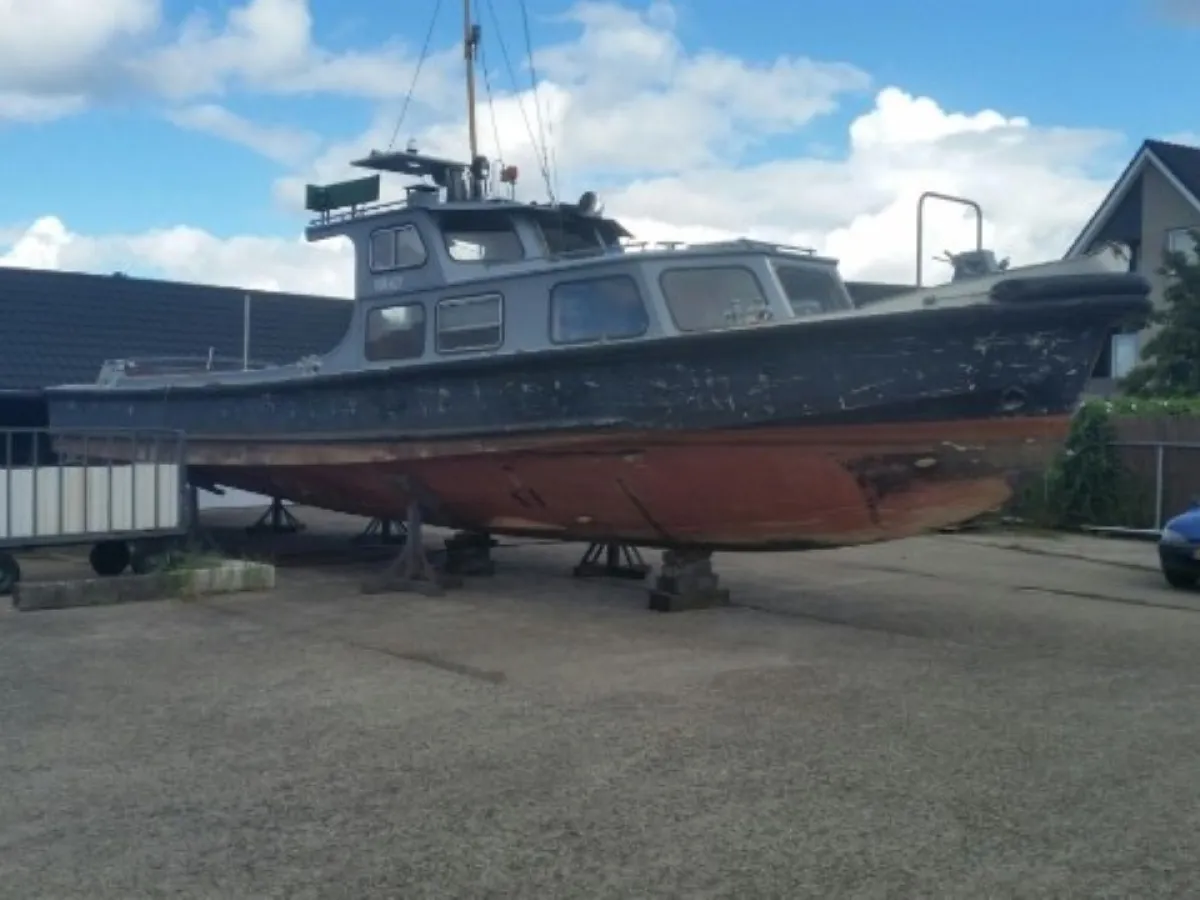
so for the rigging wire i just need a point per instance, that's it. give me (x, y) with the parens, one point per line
(520, 106)
(487, 87)
(537, 103)
(437, 7)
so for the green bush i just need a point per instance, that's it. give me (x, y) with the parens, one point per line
(1087, 484)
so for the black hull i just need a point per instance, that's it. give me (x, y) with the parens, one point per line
(1029, 353)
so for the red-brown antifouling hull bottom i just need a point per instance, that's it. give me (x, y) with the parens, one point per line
(771, 488)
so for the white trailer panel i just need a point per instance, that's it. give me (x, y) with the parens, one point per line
(59, 502)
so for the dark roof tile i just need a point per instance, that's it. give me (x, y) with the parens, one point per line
(1182, 160)
(60, 327)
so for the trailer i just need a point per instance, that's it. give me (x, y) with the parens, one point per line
(122, 491)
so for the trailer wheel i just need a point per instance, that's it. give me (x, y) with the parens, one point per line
(109, 557)
(10, 573)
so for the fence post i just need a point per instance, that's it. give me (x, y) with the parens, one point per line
(1158, 485)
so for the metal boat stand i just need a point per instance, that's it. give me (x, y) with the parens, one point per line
(412, 569)
(619, 561)
(382, 531)
(687, 581)
(276, 519)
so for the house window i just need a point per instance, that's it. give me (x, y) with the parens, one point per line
(1124, 354)
(809, 291)
(597, 309)
(713, 297)
(396, 332)
(481, 237)
(397, 248)
(470, 323)
(1182, 240)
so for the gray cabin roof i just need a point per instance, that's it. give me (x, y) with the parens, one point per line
(60, 327)
(1120, 215)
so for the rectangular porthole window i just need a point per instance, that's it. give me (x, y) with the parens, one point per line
(470, 323)
(713, 297)
(395, 248)
(597, 309)
(395, 332)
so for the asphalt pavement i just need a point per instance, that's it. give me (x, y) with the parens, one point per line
(952, 717)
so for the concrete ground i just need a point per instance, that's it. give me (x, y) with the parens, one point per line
(957, 716)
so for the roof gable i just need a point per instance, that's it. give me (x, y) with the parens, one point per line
(60, 327)
(1181, 161)
(1178, 163)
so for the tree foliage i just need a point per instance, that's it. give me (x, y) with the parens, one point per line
(1170, 365)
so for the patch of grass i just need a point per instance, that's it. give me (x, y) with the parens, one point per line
(185, 560)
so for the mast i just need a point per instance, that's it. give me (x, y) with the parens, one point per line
(470, 44)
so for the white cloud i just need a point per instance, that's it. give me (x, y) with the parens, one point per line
(282, 144)
(638, 101)
(56, 56)
(268, 45)
(19, 106)
(53, 53)
(38, 247)
(663, 133)
(188, 254)
(46, 43)
(1032, 183)
(625, 97)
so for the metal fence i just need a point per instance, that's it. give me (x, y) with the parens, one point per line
(1165, 476)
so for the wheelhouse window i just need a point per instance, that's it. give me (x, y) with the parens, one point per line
(485, 237)
(597, 309)
(470, 323)
(394, 248)
(1183, 240)
(809, 291)
(566, 235)
(714, 297)
(395, 332)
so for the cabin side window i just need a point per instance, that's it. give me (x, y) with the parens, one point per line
(809, 291)
(399, 247)
(470, 323)
(597, 309)
(485, 237)
(714, 297)
(395, 332)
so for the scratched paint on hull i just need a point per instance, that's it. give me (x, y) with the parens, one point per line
(762, 488)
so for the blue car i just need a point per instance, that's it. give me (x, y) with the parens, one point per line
(1179, 549)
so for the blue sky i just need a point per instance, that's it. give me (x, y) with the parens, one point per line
(120, 164)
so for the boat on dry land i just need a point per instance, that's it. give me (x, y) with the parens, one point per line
(536, 374)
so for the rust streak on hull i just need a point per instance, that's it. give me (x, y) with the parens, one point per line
(762, 488)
